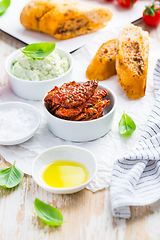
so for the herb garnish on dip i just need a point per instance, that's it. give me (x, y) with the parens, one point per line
(38, 62)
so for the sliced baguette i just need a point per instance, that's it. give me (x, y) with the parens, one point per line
(64, 19)
(132, 61)
(102, 65)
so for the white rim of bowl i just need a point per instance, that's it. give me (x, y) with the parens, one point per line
(86, 122)
(36, 82)
(34, 130)
(64, 189)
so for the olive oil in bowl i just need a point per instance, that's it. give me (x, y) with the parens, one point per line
(64, 174)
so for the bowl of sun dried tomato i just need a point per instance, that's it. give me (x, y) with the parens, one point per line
(80, 111)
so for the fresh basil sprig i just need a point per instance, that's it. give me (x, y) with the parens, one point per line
(126, 125)
(4, 4)
(48, 214)
(10, 177)
(38, 50)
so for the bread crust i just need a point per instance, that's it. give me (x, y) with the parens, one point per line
(103, 65)
(132, 61)
(64, 19)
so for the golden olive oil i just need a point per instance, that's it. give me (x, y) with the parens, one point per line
(65, 174)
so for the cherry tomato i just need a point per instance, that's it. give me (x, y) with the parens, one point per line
(151, 15)
(127, 3)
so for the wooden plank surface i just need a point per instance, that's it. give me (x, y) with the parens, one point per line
(88, 215)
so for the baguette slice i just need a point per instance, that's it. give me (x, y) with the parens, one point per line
(103, 65)
(132, 61)
(64, 19)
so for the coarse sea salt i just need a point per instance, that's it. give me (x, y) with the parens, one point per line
(16, 123)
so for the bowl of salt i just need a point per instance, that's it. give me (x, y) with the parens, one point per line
(18, 122)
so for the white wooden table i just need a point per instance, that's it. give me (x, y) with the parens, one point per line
(88, 215)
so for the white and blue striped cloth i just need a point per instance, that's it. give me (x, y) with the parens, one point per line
(136, 177)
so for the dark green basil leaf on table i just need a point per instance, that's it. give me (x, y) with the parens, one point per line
(39, 50)
(10, 177)
(4, 4)
(126, 125)
(48, 214)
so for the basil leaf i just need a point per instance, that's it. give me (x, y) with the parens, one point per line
(4, 4)
(48, 214)
(10, 177)
(126, 125)
(39, 50)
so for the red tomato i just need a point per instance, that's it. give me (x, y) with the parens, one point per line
(149, 19)
(127, 3)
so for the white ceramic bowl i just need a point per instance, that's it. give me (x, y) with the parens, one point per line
(25, 135)
(79, 131)
(66, 152)
(36, 90)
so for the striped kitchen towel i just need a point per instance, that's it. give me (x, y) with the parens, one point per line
(136, 177)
